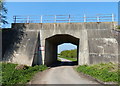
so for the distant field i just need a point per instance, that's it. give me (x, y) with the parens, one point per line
(107, 72)
(10, 75)
(69, 54)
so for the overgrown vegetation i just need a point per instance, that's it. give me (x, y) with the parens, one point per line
(12, 76)
(107, 72)
(69, 54)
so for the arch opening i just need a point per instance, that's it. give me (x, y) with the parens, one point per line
(51, 47)
(67, 54)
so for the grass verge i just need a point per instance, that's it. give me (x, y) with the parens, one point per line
(106, 72)
(118, 27)
(12, 76)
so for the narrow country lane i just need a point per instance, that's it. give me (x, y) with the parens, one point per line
(64, 60)
(60, 75)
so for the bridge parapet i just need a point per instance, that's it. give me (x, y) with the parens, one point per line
(63, 18)
(68, 26)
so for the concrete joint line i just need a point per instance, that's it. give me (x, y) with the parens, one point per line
(99, 29)
(104, 53)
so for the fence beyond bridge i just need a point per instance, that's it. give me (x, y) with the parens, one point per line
(63, 18)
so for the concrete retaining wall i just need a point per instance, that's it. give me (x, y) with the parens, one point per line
(23, 50)
(103, 46)
(103, 50)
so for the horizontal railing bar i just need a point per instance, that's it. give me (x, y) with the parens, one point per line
(64, 18)
(105, 19)
(91, 19)
(50, 20)
(76, 20)
(58, 15)
(103, 14)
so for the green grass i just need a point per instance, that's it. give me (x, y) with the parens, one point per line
(68, 58)
(107, 72)
(118, 27)
(12, 76)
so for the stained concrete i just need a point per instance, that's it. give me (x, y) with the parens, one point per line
(95, 40)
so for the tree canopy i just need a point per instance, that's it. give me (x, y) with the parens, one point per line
(69, 53)
(3, 12)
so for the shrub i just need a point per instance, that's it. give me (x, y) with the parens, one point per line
(68, 54)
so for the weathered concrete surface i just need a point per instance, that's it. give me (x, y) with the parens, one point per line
(103, 50)
(117, 36)
(96, 42)
(103, 46)
(25, 49)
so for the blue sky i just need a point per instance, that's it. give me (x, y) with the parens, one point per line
(60, 8)
(66, 46)
(62, 0)
(65, 8)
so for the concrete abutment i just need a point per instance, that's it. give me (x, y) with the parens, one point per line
(96, 42)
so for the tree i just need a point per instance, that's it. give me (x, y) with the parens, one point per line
(3, 12)
(69, 53)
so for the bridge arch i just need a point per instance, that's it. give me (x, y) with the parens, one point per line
(97, 42)
(51, 44)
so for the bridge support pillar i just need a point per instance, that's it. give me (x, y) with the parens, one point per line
(83, 49)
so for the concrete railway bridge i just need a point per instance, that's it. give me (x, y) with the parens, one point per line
(37, 42)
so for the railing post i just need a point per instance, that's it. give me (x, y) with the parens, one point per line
(69, 18)
(98, 19)
(113, 18)
(28, 19)
(55, 18)
(41, 17)
(84, 18)
(14, 19)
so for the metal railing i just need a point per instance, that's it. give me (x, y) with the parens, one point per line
(63, 18)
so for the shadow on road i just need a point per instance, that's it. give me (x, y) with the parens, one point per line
(64, 63)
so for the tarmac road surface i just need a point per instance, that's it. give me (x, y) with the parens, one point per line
(60, 75)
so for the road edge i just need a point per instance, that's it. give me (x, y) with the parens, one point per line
(40, 73)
